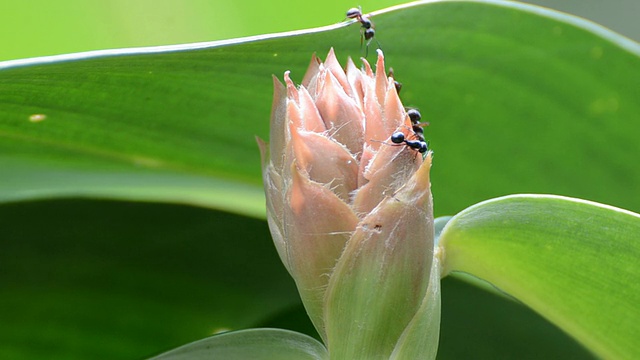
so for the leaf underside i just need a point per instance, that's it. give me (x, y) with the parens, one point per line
(572, 261)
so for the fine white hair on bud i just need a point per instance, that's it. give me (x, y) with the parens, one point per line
(350, 208)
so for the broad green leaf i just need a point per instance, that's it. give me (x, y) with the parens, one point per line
(574, 262)
(116, 280)
(255, 344)
(183, 118)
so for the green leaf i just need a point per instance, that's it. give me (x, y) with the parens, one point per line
(258, 344)
(182, 119)
(116, 280)
(573, 261)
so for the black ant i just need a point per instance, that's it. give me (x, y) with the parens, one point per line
(367, 31)
(398, 138)
(420, 145)
(416, 125)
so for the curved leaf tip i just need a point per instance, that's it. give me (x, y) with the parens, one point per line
(255, 344)
(573, 261)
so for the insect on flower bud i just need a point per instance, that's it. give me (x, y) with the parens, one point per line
(350, 211)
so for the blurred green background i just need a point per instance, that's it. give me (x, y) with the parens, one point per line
(151, 270)
(39, 27)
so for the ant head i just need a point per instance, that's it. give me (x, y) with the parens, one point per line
(369, 33)
(414, 115)
(354, 13)
(397, 137)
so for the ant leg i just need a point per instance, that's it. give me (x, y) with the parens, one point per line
(369, 33)
(379, 45)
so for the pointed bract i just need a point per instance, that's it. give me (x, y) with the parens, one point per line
(382, 276)
(350, 211)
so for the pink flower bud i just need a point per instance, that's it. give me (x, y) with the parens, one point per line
(350, 211)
